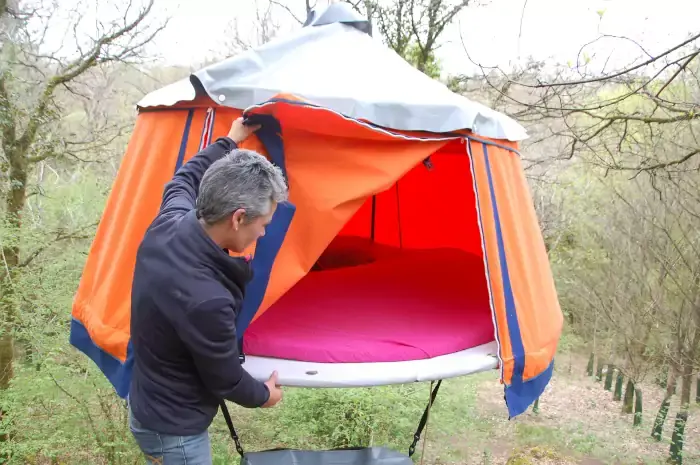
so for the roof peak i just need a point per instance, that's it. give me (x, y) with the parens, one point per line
(340, 12)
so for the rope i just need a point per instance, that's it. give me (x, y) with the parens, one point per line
(424, 418)
(427, 422)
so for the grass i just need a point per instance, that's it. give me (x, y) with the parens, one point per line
(67, 413)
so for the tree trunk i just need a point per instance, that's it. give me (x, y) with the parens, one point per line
(676, 452)
(599, 371)
(14, 204)
(676, 449)
(591, 364)
(628, 402)
(609, 377)
(638, 407)
(657, 430)
(6, 354)
(618, 386)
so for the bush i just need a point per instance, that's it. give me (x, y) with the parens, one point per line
(65, 414)
(332, 418)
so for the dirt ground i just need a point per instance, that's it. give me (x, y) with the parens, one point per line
(578, 423)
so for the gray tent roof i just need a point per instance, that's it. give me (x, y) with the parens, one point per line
(334, 63)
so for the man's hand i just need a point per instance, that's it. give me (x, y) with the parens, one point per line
(240, 132)
(275, 391)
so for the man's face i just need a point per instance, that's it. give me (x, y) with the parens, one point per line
(245, 232)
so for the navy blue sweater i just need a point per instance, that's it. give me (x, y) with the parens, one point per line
(185, 296)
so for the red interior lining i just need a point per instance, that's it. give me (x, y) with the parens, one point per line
(404, 279)
(430, 207)
(399, 305)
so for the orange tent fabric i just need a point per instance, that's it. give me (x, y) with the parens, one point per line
(340, 171)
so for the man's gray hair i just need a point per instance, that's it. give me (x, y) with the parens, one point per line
(241, 179)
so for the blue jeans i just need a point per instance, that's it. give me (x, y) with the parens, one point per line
(165, 449)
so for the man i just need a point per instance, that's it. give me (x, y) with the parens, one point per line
(186, 292)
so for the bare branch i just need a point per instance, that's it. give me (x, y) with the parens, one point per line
(60, 236)
(617, 74)
(675, 75)
(80, 65)
(289, 10)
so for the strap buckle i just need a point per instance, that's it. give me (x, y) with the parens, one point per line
(232, 430)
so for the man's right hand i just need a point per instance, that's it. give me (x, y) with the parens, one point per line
(240, 131)
(275, 391)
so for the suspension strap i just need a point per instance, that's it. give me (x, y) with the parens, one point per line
(232, 430)
(423, 420)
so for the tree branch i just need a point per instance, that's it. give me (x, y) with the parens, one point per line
(643, 119)
(678, 71)
(77, 68)
(6, 110)
(58, 237)
(617, 74)
(288, 10)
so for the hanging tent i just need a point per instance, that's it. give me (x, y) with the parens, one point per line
(409, 249)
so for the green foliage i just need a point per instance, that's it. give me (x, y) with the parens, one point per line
(431, 65)
(533, 456)
(662, 377)
(67, 413)
(576, 437)
(331, 418)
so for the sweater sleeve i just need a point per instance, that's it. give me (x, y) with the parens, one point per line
(181, 191)
(210, 334)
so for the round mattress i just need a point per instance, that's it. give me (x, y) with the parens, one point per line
(406, 305)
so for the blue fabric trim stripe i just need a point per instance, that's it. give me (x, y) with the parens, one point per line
(118, 373)
(486, 260)
(267, 248)
(521, 395)
(511, 313)
(183, 142)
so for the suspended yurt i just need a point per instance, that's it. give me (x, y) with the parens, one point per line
(409, 250)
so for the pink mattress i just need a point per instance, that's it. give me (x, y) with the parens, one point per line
(410, 305)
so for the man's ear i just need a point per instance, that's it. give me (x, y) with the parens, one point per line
(237, 219)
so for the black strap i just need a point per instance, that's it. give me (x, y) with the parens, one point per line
(231, 429)
(423, 420)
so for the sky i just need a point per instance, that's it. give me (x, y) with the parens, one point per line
(491, 32)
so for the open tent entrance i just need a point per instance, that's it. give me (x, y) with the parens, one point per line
(403, 281)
